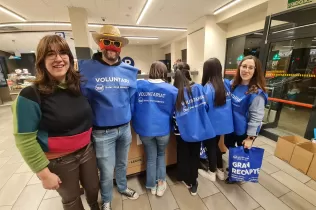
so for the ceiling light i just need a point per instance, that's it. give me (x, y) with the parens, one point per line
(32, 51)
(144, 10)
(260, 34)
(226, 6)
(287, 46)
(35, 24)
(11, 13)
(142, 27)
(141, 37)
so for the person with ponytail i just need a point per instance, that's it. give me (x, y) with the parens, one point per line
(218, 97)
(152, 110)
(192, 125)
(248, 102)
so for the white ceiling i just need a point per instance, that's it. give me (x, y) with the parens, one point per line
(161, 13)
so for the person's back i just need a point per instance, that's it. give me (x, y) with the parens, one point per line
(220, 116)
(153, 107)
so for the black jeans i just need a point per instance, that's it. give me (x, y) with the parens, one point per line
(214, 154)
(232, 139)
(77, 166)
(188, 160)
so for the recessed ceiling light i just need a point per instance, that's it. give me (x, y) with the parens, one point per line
(144, 10)
(141, 37)
(226, 6)
(11, 13)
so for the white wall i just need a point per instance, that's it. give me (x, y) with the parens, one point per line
(196, 52)
(141, 54)
(243, 26)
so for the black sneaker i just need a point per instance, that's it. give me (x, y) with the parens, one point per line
(106, 206)
(227, 181)
(130, 194)
(193, 189)
(95, 207)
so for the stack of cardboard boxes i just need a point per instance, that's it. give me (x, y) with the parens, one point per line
(299, 153)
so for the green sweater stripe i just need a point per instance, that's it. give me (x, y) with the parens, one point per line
(26, 118)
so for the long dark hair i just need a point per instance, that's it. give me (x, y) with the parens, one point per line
(212, 72)
(44, 81)
(181, 82)
(158, 70)
(257, 81)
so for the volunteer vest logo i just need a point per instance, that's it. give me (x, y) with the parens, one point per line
(151, 97)
(99, 87)
(193, 103)
(112, 79)
(236, 98)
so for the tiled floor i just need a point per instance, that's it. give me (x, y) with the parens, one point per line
(280, 187)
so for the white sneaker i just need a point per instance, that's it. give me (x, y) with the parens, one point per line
(161, 189)
(154, 190)
(220, 174)
(208, 175)
(106, 206)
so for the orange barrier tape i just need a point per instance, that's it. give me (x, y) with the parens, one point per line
(310, 106)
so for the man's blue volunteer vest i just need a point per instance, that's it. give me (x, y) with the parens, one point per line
(221, 117)
(241, 103)
(109, 90)
(153, 108)
(193, 122)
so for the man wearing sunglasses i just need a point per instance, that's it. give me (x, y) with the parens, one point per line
(109, 85)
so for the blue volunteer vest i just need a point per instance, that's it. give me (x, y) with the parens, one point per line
(153, 108)
(241, 102)
(193, 122)
(221, 117)
(109, 90)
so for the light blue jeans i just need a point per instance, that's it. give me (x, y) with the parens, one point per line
(156, 164)
(112, 148)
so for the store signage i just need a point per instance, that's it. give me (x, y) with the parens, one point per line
(61, 34)
(276, 57)
(129, 61)
(295, 3)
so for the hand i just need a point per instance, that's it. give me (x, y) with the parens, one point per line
(50, 181)
(247, 143)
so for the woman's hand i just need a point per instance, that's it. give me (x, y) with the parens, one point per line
(50, 181)
(247, 143)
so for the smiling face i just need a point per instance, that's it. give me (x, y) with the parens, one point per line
(111, 55)
(57, 63)
(247, 70)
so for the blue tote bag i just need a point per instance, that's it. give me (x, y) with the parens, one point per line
(244, 164)
(203, 154)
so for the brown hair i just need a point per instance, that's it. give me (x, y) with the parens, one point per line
(257, 81)
(212, 73)
(183, 84)
(44, 81)
(158, 70)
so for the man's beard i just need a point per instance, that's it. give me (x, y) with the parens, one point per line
(109, 56)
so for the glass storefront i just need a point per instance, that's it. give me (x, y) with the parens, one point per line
(291, 76)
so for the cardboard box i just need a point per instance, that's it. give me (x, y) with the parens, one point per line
(285, 146)
(137, 156)
(302, 156)
(312, 169)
